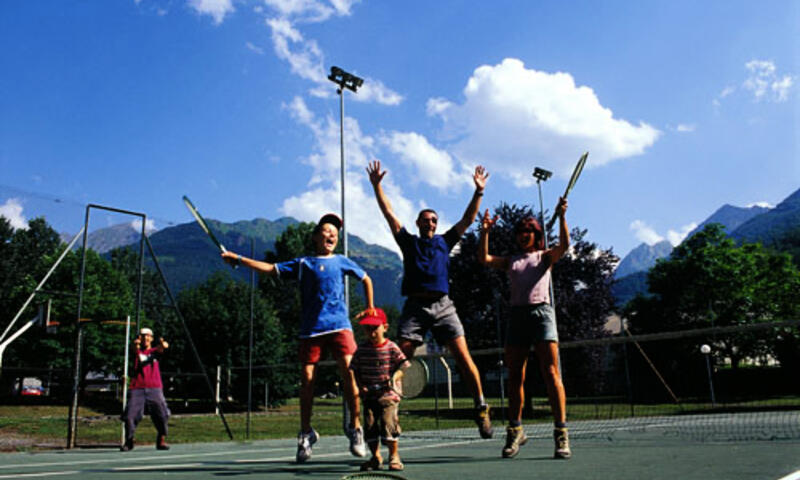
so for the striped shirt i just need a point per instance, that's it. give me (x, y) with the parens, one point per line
(374, 365)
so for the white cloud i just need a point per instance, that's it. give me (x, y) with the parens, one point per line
(436, 106)
(513, 117)
(676, 237)
(254, 48)
(727, 91)
(304, 56)
(217, 9)
(431, 165)
(764, 83)
(12, 211)
(685, 128)
(645, 233)
(760, 204)
(149, 226)
(375, 91)
(311, 10)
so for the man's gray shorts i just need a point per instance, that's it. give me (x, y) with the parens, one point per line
(437, 315)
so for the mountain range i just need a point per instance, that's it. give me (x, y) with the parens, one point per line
(751, 224)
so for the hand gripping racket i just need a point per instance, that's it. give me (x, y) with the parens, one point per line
(201, 221)
(409, 385)
(572, 180)
(414, 379)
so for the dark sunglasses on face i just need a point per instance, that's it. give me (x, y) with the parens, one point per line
(431, 220)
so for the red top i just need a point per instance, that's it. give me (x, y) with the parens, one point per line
(146, 373)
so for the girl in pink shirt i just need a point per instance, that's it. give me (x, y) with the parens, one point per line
(532, 323)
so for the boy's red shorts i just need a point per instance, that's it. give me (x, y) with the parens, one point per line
(339, 343)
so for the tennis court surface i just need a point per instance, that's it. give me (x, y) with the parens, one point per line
(691, 447)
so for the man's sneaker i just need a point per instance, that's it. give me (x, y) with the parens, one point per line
(304, 443)
(561, 439)
(484, 422)
(515, 438)
(127, 446)
(357, 446)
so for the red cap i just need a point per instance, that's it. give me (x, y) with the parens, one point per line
(378, 319)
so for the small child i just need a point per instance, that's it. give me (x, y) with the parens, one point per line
(378, 364)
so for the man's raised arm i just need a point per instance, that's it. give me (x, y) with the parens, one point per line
(375, 177)
(479, 177)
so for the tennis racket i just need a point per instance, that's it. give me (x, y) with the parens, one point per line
(201, 221)
(572, 180)
(414, 379)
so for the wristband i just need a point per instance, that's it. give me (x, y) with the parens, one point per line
(479, 193)
(238, 259)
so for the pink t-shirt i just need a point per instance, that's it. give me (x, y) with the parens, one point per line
(530, 279)
(146, 373)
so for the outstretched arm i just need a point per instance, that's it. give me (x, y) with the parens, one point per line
(375, 177)
(500, 263)
(162, 345)
(479, 177)
(555, 253)
(368, 295)
(236, 259)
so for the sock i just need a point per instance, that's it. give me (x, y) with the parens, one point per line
(480, 401)
(515, 423)
(561, 424)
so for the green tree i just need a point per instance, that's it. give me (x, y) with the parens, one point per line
(710, 281)
(217, 313)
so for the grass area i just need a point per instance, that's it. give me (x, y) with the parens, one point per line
(40, 426)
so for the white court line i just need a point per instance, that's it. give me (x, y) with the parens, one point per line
(119, 460)
(156, 467)
(258, 460)
(791, 476)
(41, 474)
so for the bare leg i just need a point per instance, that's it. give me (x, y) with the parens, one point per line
(350, 389)
(458, 348)
(547, 353)
(308, 375)
(516, 361)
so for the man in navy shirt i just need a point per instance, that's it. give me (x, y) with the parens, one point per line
(426, 263)
(325, 323)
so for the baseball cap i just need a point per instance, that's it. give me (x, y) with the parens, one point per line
(379, 318)
(145, 331)
(331, 218)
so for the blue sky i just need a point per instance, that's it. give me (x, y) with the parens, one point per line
(684, 106)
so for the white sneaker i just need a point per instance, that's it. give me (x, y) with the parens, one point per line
(357, 445)
(304, 443)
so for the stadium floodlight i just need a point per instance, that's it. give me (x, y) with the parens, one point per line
(345, 80)
(541, 175)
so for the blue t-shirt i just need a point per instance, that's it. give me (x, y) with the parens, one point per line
(322, 291)
(426, 261)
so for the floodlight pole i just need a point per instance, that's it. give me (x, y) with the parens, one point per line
(542, 175)
(351, 82)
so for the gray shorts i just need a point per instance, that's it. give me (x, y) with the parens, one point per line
(438, 316)
(531, 324)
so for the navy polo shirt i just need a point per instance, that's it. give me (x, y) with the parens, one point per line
(426, 261)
